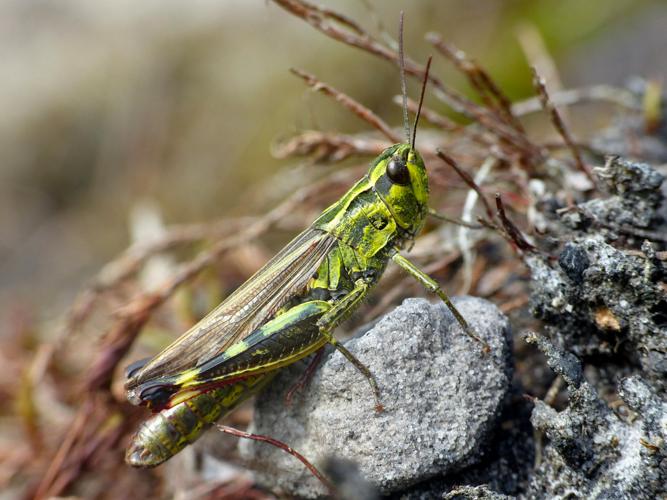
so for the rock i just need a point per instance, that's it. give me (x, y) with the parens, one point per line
(574, 261)
(350, 484)
(593, 453)
(634, 197)
(505, 467)
(474, 493)
(442, 398)
(605, 298)
(616, 303)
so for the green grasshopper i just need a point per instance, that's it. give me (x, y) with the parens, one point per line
(171, 430)
(290, 308)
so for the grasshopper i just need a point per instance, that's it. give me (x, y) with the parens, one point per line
(171, 430)
(290, 308)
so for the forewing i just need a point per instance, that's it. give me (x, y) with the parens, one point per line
(252, 304)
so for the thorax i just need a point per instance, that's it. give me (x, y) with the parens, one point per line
(367, 235)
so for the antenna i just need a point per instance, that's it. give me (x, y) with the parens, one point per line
(421, 100)
(404, 86)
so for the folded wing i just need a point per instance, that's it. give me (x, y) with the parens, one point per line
(284, 277)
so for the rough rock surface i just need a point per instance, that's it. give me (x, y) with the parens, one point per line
(593, 453)
(604, 300)
(442, 399)
(634, 196)
(505, 466)
(603, 297)
(474, 493)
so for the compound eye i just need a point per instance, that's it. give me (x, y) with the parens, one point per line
(398, 172)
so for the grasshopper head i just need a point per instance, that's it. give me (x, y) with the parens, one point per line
(399, 178)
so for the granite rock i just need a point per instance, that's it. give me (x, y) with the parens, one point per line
(442, 398)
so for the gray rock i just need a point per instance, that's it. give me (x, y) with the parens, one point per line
(442, 397)
(605, 295)
(593, 453)
(634, 197)
(350, 484)
(506, 466)
(474, 493)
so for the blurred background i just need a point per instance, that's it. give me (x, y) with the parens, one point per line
(108, 106)
(120, 117)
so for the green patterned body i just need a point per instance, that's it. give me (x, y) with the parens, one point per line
(288, 309)
(168, 432)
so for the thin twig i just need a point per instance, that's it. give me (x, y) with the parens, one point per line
(479, 79)
(338, 17)
(568, 97)
(538, 57)
(431, 116)
(45, 488)
(468, 206)
(455, 100)
(465, 176)
(554, 389)
(358, 109)
(328, 147)
(453, 220)
(283, 446)
(513, 232)
(560, 126)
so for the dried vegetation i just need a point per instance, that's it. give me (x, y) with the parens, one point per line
(499, 187)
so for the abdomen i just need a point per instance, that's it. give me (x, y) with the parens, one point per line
(168, 432)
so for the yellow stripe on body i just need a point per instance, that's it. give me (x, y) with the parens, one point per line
(192, 378)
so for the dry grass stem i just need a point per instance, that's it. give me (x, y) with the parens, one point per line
(358, 109)
(560, 125)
